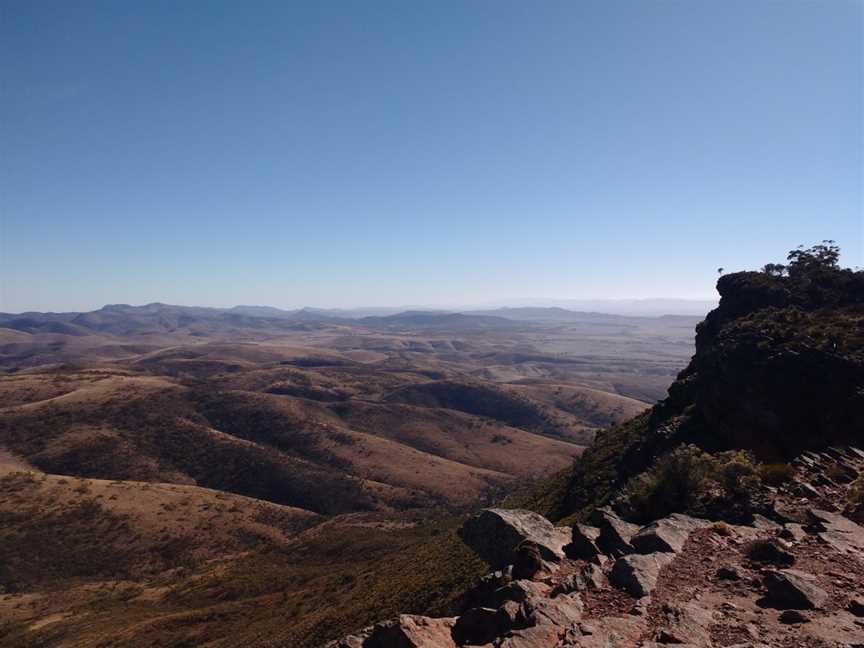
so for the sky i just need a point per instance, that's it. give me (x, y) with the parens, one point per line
(347, 153)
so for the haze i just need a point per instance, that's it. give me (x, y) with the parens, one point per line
(360, 154)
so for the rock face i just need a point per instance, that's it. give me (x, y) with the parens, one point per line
(778, 372)
(495, 535)
(757, 372)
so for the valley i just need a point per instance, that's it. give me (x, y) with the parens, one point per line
(174, 474)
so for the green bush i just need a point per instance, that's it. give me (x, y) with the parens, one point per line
(736, 472)
(674, 484)
(688, 477)
(856, 491)
(776, 474)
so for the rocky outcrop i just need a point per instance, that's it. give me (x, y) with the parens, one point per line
(758, 369)
(677, 581)
(776, 561)
(778, 371)
(495, 534)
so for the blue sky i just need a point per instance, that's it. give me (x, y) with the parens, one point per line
(345, 153)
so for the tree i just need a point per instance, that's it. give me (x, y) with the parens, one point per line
(807, 261)
(774, 269)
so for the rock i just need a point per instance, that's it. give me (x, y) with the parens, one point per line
(769, 551)
(837, 530)
(832, 520)
(496, 533)
(542, 636)
(561, 611)
(856, 607)
(615, 533)
(479, 626)
(483, 592)
(589, 577)
(519, 591)
(528, 560)
(583, 543)
(637, 573)
(805, 489)
(792, 616)
(683, 624)
(351, 641)
(411, 631)
(793, 532)
(790, 589)
(728, 573)
(513, 613)
(763, 524)
(668, 534)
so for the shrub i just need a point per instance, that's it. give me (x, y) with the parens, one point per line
(737, 472)
(776, 474)
(674, 484)
(722, 529)
(767, 551)
(688, 478)
(856, 491)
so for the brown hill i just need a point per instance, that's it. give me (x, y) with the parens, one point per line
(176, 477)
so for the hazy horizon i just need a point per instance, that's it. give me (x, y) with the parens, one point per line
(382, 153)
(649, 306)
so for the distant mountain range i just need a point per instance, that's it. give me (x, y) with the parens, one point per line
(124, 319)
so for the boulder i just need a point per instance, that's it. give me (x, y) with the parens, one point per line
(790, 589)
(528, 560)
(411, 631)
(615, 533)
(481, 625)
(562, 611)
(683, 624)
(583, 544)
(638, 573)
(519, 591)
(668, 534)
(496, 533)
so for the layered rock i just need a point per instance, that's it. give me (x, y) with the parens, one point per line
(495, 534)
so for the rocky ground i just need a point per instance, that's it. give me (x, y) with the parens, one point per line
(794, 579)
